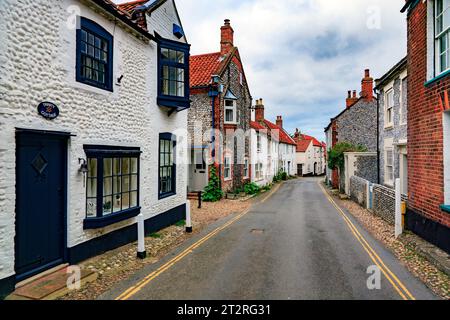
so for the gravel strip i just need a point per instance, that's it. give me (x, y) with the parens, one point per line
(120, 264)
(403, 248)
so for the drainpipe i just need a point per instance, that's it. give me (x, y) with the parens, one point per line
(377, 93)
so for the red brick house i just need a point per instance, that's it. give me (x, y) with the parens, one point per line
(221, 100)
(429, 120)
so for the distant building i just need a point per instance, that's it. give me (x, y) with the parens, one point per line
(393, 119)
(220, 100)
(273, 150)
(310, 155)
(357, 125)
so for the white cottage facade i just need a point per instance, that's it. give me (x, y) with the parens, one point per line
(91, 129)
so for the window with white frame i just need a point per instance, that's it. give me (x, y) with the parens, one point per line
(227, 167)
(441, 35)
(389, 167)
(258, 171)
(258, 142)
(230, 112)
(389, 108)
(246, 164)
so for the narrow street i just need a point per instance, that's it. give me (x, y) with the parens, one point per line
(292, 245)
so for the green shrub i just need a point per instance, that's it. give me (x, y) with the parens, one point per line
(284, 176)
(336, 158)
(252, 188)
(212, 192)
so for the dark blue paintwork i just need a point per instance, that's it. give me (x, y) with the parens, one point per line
(41, 169)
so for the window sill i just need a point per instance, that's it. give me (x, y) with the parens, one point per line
(166, 195)
(389, 127)
(445, 208)
(97, 223)
(180, 103)
(437, 78)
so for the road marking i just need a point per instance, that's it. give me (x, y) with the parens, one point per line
(395, 282)
(133, 290)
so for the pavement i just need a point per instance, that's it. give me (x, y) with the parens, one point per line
(295, 244)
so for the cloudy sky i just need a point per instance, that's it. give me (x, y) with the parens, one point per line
(302, 56)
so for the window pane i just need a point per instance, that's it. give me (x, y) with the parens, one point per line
(134, 182)
(172, 88)
(125, 165)
(91, 187)
(173, 55)
(229, 115)
(125, 201)
(133, 200)
(229, 103)
(91, 51)
(180, 57)
(165, 72)
(134, 165)
(117, 167)
(165, 53)
(180, 74)
(107, 167)
(165, 87)
(91, 208)
(83, 36)
(125, 183)
(117, 203)
(91, 39)
(92, 167)
(107, 205)
(98, 42)
(117, 185)
(180, 89)
(107, 186)
(83, 47)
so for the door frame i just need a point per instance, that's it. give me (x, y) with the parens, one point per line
(64, 137)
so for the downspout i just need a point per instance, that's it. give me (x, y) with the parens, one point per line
(377, 93)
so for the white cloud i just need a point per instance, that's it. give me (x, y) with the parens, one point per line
(302, 56)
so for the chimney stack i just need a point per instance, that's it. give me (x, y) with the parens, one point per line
(226, 38)
(259, 110)
(367, 86)
(351, 99)
(280, 121)
(296, 135)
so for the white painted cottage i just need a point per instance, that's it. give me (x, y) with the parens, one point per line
(93, 101)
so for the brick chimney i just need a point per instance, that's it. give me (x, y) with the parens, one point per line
(351, 99)
(259, 110)
(280, 121)
(367, 86)
(226, 38)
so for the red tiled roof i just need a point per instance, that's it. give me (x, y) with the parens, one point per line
(256, 125)
(303, 145)
(129, 6)
(314, 140)
(202, 67)
(283, 136)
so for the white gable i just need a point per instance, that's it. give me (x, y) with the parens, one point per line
(162, 19)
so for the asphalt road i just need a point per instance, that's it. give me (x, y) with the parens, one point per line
(294, 245)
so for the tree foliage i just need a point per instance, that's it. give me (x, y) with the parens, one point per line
(212, 192)
(336, 158)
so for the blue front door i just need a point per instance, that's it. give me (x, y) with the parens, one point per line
(41, 168)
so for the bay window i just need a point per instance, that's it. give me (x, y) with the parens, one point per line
(173, 74)
(112, 186)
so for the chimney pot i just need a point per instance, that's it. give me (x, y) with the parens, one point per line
(226, 38)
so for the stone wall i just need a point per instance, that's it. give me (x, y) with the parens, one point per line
(358, 125)
(366, 168)
(358, 190)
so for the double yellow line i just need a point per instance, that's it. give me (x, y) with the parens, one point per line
(141, 284)
(390, 276)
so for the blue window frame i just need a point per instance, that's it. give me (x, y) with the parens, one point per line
(112, 185)
(167, 165)
(173, 74)
(94, 55)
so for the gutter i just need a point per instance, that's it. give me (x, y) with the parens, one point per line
(375, 90)
(406, 6)
(112, 9)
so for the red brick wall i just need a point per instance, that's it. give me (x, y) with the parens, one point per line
(425, 132)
